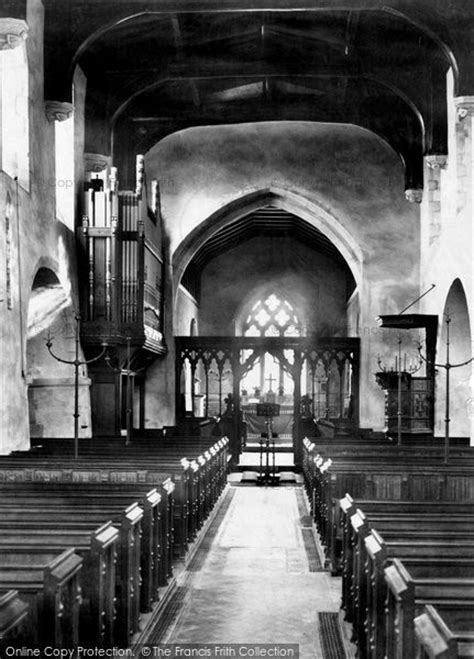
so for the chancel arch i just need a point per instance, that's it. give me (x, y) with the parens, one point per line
(271, 293)
(319, 216)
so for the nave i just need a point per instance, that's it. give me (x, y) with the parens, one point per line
(126, 545)
(258, 579)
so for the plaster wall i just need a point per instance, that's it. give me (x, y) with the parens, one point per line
(37, 240)
(349, 183)
(447, 249)
(187, 310)
(312, 283)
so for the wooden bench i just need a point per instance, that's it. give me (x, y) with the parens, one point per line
(46, 517)
(64, 519)
(13, 618)
(438, 639)
(98, 551)
(104, 502)
(355, 524)
(440, 557)
(398, 480)
(192, 479)
(348, 507)
(408, 592)
(423, 533)
(157, 523)
(50, 585)
(67, 470)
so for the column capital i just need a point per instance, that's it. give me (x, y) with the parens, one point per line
(414, 195)
(13, 32)
(436, 161)
(96, 162)
(464, 106)
(58, 110)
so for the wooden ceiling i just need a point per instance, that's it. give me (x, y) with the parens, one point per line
(267, 222)
(154, 67)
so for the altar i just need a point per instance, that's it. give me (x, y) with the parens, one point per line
(282, 425)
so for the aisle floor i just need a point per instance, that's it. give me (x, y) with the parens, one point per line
(255, 585)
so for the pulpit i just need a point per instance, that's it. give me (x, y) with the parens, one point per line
(416, 402)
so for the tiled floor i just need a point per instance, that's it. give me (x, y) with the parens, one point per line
(255, 585)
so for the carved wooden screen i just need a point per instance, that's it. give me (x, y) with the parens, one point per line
(204, 379)
(332, 380)
(209, 371)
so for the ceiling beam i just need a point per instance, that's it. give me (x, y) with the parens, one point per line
(351, 32)
(180, 55)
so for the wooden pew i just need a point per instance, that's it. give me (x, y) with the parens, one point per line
(35, 469)
(13, 618)
(156, 521)
(396, 480)
(437, 639)
(439, 556)
(101, 501)
(418, 530)
(51, 587)
(136, 468)
(364, 591)
(64, 519)
(98, 550)
(408, 592)
(348, 507)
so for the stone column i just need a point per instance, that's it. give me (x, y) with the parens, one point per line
(464, 106)
(432, 207)
(465, 153)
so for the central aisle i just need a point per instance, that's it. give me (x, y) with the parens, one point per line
(259, 579)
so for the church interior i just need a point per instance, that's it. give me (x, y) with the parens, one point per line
(236, 303)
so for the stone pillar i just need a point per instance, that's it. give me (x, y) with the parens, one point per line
(432, 208)
(464, 106)
(465, 153)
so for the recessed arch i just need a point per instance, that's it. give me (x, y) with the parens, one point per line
(460, 349)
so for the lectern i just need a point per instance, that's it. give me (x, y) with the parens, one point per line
(267, 474)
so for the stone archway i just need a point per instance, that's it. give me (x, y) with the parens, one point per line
(460, 351)
(316, 215)
(51, 383)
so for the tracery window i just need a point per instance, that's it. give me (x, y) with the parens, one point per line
(272, 316)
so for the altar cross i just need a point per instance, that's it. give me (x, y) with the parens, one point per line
(271, 379)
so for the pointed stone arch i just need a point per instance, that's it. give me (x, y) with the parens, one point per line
(317, 215)
(461, 379)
